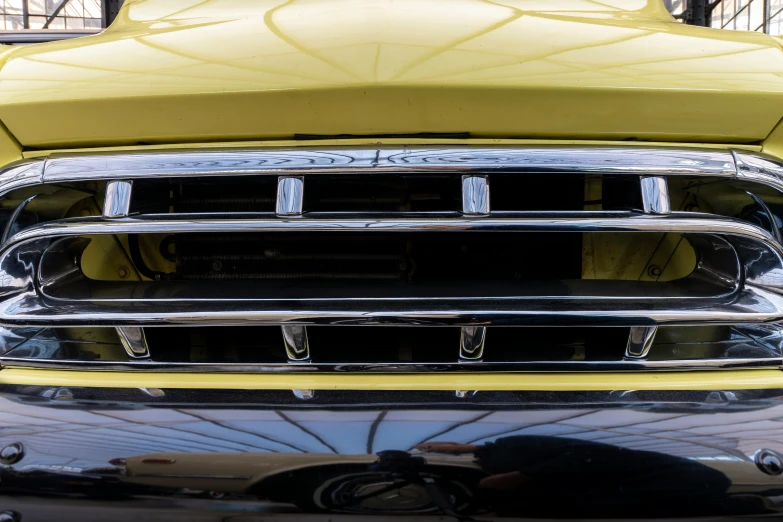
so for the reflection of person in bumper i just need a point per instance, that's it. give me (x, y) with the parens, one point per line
(592, 477)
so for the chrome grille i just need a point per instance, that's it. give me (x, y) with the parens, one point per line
(377, 259)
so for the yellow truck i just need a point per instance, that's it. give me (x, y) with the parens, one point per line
(458, 259)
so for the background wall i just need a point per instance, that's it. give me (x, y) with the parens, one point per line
(764, 16)
(78, 15)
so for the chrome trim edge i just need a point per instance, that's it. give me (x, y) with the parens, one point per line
(401, 367)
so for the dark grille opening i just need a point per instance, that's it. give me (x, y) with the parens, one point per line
(754, 203)
(247, 344)
(562, 192)
(706, 342)
(555, 344)
(71, 344)
(386, 265)
(459, 258)
(241, 194)
(387, 193)
(291, 257)
(378, 344)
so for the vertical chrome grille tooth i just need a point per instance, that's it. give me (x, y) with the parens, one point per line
(117, 201)
(475, 195)
(290, 196)
(640, 340)
(655, 195)
(134, 341)
(471, 343)
(304, 395)
(297, 346)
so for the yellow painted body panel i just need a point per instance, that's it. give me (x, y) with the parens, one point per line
(209, 70)
(10, 150)
(773, 145)
(575, 381)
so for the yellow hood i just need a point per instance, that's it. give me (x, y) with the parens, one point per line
(213, 70)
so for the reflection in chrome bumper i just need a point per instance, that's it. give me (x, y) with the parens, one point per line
(98, 454)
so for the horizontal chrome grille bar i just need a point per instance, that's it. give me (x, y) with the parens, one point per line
(749, 306)
(402, 367)
(681, 222)
(614, 160)
(293, 162)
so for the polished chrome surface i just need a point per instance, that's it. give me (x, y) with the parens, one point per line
(11, 338)
(297, 347)
(738, 279)
(475, 196)
(9, 228)
(22, 174)
(290, 196)
(655, 195)
(565, 159)
(769, 461)
(586, 221)
(290, 162)
(10, 516)
(61, 168)
(769, 215)
(12, 454)
(725, 363)
(471, 343)
(759, 168)
(642, 161)
(217, 455)
(116, 203)
(640, 340)
(134, 341)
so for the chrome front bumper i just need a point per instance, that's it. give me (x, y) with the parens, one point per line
(210, 455)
